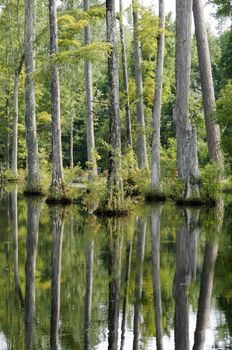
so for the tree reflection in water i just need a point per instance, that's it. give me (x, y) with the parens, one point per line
(33, 214)
(114, 268)
(155, 241)
(57, 237)
(186, 245)
(89, 255)
(141, 238)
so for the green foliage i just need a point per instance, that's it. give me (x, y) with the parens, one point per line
(210, 182)
(224, 113)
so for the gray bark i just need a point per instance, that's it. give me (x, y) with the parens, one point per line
(14, 162)
(57, 184)
(155, 238)
(187, 158)
(141, 227)
(33, 179)
(114, 177)
(141, 136)
(57, 234)
(71, 143)
(7, 135)
(88, 294)
(33, 212)
(125, 80)
(91, 152)
(207, 87)
(155, 177)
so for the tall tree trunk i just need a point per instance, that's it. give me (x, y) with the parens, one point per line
(33, 178)
(71, 142)
(7, 135)
(141, 227)
(33, 212)
(207, 87)
(14, 163)
(155, 237)
(141, 137)
(125, 80)
(155, 177)
(89, 255)
(187, 159)
(57, 235)
(91, 152)
(115, 183)
(57, 185)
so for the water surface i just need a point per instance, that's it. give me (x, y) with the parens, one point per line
(159, 279)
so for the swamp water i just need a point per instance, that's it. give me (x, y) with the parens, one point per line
(159, 279)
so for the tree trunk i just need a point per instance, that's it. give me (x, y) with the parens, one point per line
(155, 237)
(125, 80)
(115, 183)
(187, 159)
(33, 178)
(89, 255)
(141, 137)
(14, 164)
(155, 177)
(7, 135)
(33, 212)
(207, 87)
(57, 185)
(91, 152)
(57, 234)
(71, 143)
(141, 239)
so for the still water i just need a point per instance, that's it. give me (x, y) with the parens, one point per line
(159, 279)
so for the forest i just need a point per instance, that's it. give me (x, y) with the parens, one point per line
(103, 103)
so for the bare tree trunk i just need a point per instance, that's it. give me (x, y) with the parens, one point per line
(7, 135)
(115, 183)
(71, 142)
(125, 80)
(14, 164)
(91, 152)
(155, 237)
(155, 177)
(207, 87)
(33, 212)
(57, 233)
(57, 185)
(187, 159)
(33, 179)
(141, 137)
(88, 294)
(141, 239)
